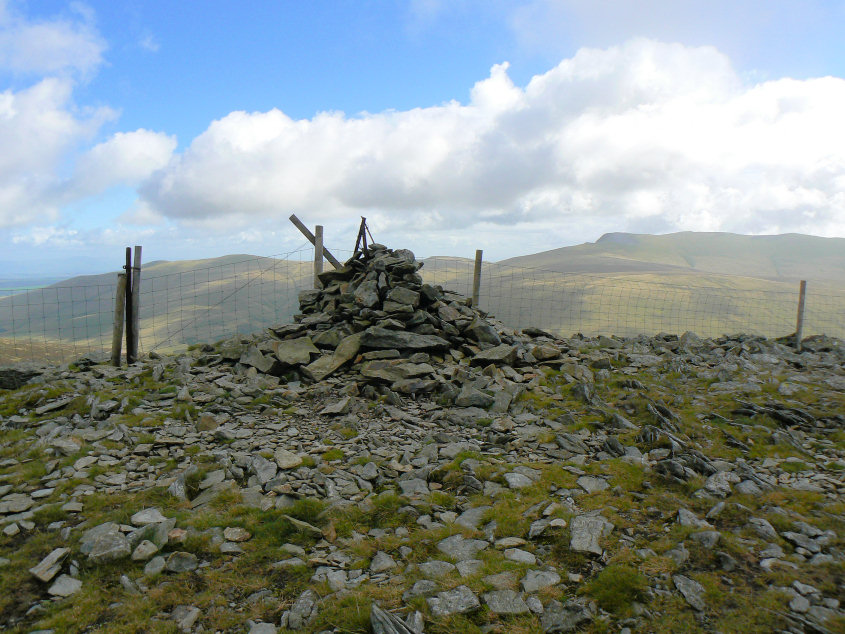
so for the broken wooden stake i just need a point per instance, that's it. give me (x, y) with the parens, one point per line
(312, 239)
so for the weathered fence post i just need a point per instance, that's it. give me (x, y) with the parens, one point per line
(307, 233)
(318, 254)
(799, 326)
(128, 297)
(476, 278)
(136, 303)
(117, 332)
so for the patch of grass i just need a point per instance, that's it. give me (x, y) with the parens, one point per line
(616, 587)
(348, 433)
(49, 514)
(333, 454)
(794, 467)
(384, 510)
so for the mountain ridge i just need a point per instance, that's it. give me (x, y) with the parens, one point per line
(788, 256)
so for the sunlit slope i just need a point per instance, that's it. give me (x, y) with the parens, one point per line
(181, 302)
(623, 284)
(781, 257)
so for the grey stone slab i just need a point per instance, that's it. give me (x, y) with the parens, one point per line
(460, 600)
(505, 602)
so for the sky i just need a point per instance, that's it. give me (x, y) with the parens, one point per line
(195, 128)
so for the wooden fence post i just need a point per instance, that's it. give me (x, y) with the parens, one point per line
(117, 332)
(133, 325)
(307, 233)
(476, 278)
(318, 254)
(799, 326)
(128, 296)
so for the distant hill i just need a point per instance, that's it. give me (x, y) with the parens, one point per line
(789, 256)
(623, 284)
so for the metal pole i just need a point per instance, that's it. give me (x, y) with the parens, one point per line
(318, 254)
(799, 327)
(117, 332)
(476, 278)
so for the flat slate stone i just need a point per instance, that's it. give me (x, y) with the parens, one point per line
(536, 580)
(505, 602)
(436, 569)
(413, 487)
(517, 480)
(110, 546)
(375, 337)
(457, 601)
(327, 364)
(236, 534)
(592, 484)
(144, 551)
(459, 548)
(422, 588)
(181, 561)
(147, 516)
(471, 518)
(155, 566)
(567, 617)
(49, 566)
(585, 533)
(688, 518)
(520, 556)
(64, 586)
(295, 351)
(286, 459)
(469, 567)
(692, 591)
(337, 408)
(502, 354)
(382, 562)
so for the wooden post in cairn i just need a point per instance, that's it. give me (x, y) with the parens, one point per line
(318, 254)
(799, 326)
(476, 278)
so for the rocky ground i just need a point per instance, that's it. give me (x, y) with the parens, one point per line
(396, 461)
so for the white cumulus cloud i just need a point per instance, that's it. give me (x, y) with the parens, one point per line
(643, 136)
(57, 45)
(38, 130)
(126, 158)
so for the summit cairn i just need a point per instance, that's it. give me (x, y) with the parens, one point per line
(375, 316)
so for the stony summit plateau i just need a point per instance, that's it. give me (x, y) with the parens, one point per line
(397, 461)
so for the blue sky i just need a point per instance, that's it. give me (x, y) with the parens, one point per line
(195, 128)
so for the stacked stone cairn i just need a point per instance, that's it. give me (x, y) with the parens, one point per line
(376, 316)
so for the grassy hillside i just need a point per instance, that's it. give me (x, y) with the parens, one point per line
(182, 302)
(630, 302)
(782, 257)
(623, 284)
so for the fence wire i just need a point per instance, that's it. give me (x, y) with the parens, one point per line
(242, 295)
(628, 304)
(235, 295)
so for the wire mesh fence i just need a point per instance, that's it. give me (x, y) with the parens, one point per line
(643, 303)
(180, 305)
(183, 304)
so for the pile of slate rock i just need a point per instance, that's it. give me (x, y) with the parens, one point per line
(376, 316)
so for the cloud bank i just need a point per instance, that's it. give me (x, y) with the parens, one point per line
(43, 132)
(59, 45)
(643, 136)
